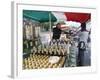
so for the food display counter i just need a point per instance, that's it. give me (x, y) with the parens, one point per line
(41, 61)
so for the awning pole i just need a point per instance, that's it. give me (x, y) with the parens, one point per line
(50, 26)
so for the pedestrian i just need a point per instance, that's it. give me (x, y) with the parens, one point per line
(83, 37)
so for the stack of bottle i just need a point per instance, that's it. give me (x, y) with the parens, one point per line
(56, 47)
(50, 50)
(72, 56)
(41, 61)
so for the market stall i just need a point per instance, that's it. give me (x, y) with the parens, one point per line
(56, 53)
(48, 51)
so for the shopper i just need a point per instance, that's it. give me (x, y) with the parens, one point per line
(83, 37)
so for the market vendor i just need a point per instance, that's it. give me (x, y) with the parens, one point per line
(57, 31)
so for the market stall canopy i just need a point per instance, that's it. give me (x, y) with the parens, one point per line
(40, 16)
(78, 17)
(60, 16)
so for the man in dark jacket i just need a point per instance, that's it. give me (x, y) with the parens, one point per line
(57, 31)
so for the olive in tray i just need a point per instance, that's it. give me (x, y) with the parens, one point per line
(40, 61)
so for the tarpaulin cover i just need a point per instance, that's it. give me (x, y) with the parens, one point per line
(41, 16)
(78, 17)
